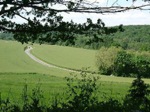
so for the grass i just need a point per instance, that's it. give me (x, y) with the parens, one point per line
(68, 57)
(13, 59)
(11, 85)
(16, 69)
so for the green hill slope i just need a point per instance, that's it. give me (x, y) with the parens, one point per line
(13, 59)
(67, 57)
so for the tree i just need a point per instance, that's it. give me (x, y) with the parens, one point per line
(41, 19)
(123, 64)
(137, 98)
(105, 59)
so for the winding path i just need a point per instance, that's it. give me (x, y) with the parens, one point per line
(27, 51)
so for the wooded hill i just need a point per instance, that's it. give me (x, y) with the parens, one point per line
(133, 37)
(136, 37)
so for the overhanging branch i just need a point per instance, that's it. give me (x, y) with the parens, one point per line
(81, 8)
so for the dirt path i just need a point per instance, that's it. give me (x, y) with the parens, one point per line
(27, 51)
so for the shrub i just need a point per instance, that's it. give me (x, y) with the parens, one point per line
(26, 47)
(110, 105)
(105, 59)
(137, 98)
(32, 103)
(123, 64)
(142, 65)
(80, 95)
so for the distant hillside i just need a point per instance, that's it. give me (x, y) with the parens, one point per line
(6, 36)
(13, 59)
(135, 37)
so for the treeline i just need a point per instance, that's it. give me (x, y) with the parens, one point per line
(81, 96)
(135, 37)
(6, 36)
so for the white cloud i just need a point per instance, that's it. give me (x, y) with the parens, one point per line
(128, 18)
(133, 17)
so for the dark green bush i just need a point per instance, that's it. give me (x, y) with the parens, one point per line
(128, 65)
(123, 64)
(111, 105)
(138, 97)
(142, 66)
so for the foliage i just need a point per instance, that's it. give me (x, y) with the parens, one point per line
(6, 36)
(127, 64)
(130, 37)
(110, 105)
(40, 19)
(105, 59)
(142, 65)
(81, 98)
(80, 95)
(51, 28)
(123, 65)
(138, 96)
(94, 41)
(135, 37)
(36, 99)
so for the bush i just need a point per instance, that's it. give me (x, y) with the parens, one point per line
(80, 94)
(123, 64)
(105, 59)
(142, 66)
(110, 105)
(137, 98)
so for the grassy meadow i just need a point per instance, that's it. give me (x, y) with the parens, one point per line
(67, 57)
(13, 59)
(17, 69)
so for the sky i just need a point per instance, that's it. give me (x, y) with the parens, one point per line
(132, 17)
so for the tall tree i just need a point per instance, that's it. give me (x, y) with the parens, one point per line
(40, 19)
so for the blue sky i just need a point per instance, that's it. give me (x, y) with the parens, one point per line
(132, 17)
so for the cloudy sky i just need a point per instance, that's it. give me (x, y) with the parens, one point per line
(133, 17)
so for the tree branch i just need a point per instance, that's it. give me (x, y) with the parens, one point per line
(45, 18)
(80, 9)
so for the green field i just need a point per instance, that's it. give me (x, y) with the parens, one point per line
(16, 69)
(68, 57)
(14, 60)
